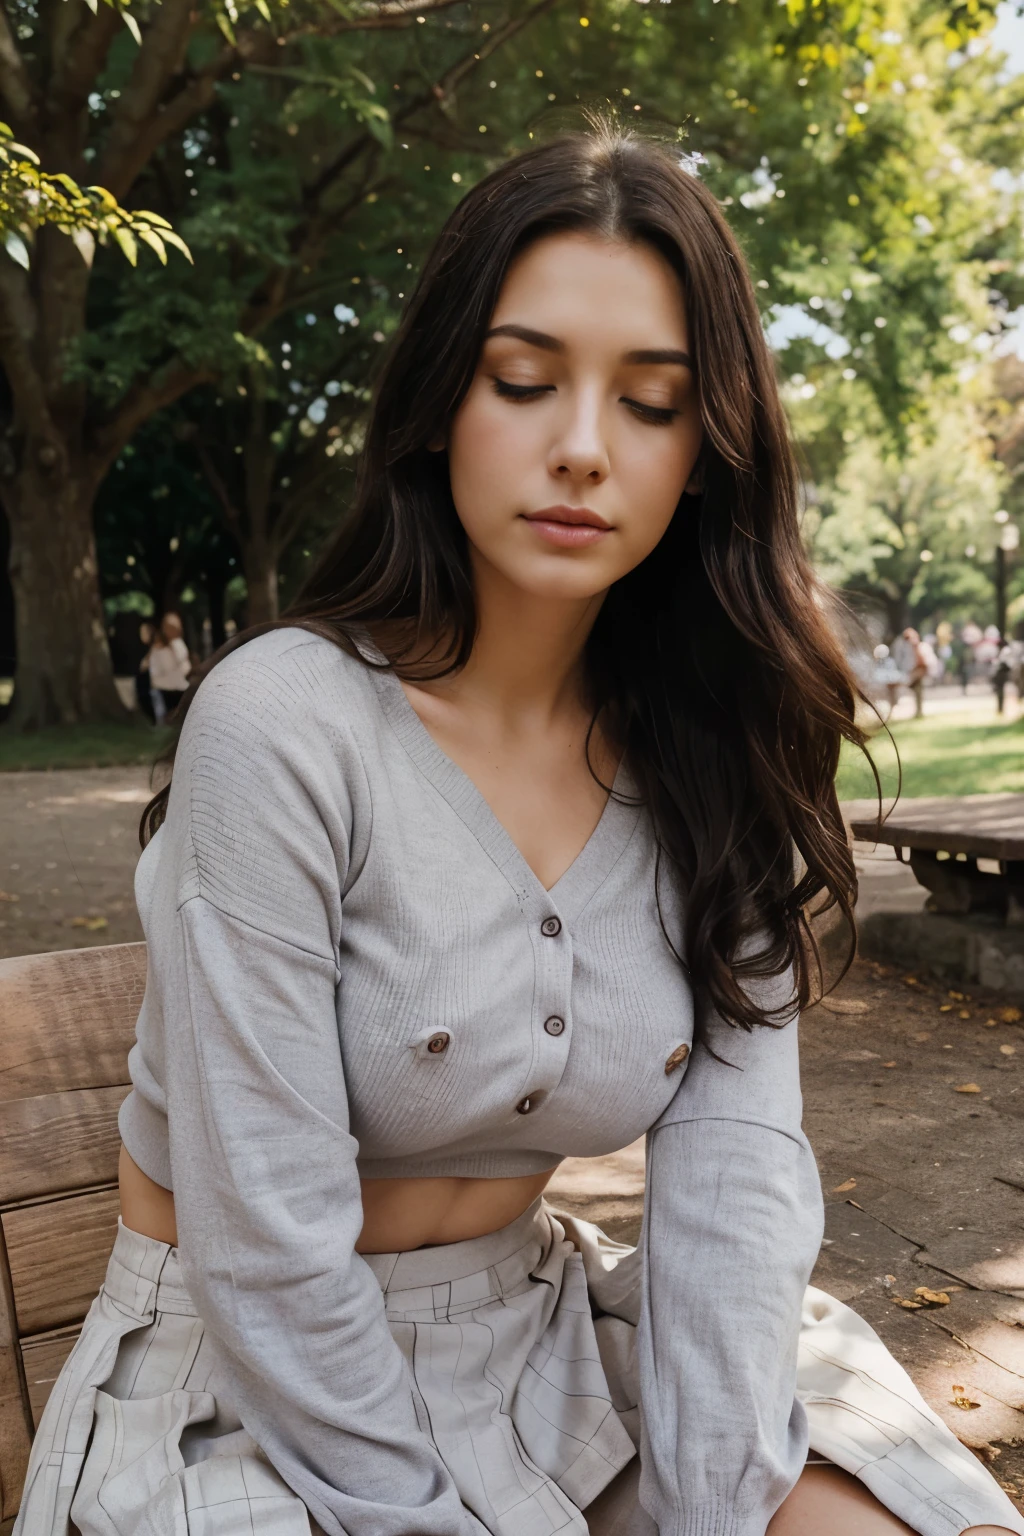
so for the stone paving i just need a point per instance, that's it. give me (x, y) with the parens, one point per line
(914, 1105)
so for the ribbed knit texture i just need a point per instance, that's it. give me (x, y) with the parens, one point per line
(329, 894)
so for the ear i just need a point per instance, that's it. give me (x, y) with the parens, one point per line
(438, 444)
(695, 484)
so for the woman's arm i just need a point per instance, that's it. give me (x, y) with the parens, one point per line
(244, 940)
(732, 1228)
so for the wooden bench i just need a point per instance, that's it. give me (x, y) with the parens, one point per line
(67, 1022)
(968, 851)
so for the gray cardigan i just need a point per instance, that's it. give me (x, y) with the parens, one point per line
(354, 973)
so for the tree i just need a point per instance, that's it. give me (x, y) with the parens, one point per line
(915, 530)
(61, 440)
(282, 150)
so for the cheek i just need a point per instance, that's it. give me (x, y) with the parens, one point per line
(486, 443)
(657, 475)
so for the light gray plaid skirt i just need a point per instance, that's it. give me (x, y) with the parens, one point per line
(529, 1397)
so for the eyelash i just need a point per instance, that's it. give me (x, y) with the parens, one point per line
(654, 415)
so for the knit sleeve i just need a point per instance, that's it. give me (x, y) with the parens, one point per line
(244, 954)
(732, 1229)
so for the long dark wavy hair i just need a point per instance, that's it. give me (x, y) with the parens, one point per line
(712, 662)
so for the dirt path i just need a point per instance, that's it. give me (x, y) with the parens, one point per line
(924, 1183)
(68, 848)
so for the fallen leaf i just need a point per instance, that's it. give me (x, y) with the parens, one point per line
(945, 1007)
(9, 896)
(890, 1279)
(1008, 1050)
(957, 997)
(956, 1387)
(888, 1063)
(855, 1205)
(965, 1013)
(968, 1088)
(933, 1298)
(907, 1304)
(841, 1189)
(845, 1005)
(963, 1402)
(911, 981)
(92, 923)
(922, 1035)
(1011, 1015)
(991, 1023)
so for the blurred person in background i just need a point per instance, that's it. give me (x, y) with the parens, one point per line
(169, 662)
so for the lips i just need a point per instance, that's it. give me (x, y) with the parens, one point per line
(574, 517)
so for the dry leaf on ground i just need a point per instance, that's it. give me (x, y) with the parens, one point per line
(845, 1005)
(9, 896)
(933, 1298)
(963, 1402)
(1008, 1050)
(968, 1088)
(945, 1007)
(1011, 1015)
(991, 1023)
(907, 1303)
(841, 1189)
(92, 923)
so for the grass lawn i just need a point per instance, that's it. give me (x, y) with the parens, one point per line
(946, 754)
(81, 746)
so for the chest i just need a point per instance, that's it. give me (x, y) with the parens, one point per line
(482, 990)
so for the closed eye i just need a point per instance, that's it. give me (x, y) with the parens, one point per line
(520, 391)
(657, 415)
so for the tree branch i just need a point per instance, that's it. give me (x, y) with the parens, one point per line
(220, 490)
(158, 60)
(78, 64)
(141, 402)
(271, 298)
(16, 86)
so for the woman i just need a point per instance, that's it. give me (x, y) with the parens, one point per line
(553, 715)
(169, 663)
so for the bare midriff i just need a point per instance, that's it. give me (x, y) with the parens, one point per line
(398, 1214)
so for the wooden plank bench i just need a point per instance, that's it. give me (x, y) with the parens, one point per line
(967, 851)
(67, 1022)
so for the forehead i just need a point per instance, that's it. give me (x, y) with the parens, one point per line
(579, 286)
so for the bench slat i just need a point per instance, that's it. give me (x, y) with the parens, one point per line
(15, 1425)
(68, 1019)
(43, 1359)
(58, 1254)
(59, 1142)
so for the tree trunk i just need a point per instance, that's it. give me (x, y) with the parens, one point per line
(260, 565)
(64, 675)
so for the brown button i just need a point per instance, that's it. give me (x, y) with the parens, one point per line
(524, 1106)
(438, 1043)
(677, 1058)
(554, 1025)
(551, 927)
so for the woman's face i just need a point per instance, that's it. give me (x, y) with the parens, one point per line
(581, 428)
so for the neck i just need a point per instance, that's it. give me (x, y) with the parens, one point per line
(528, 654)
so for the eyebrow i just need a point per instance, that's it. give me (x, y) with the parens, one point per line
(552, 344)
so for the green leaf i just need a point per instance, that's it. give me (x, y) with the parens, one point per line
(264, 9)
(153, 240)
(16, 249)
(179, 244)
(132, 25)
(226, 28)
(126, 240)
(150, 218)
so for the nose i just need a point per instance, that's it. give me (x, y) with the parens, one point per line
(579, 452)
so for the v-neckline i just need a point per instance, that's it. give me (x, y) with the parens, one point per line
(578, 882)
